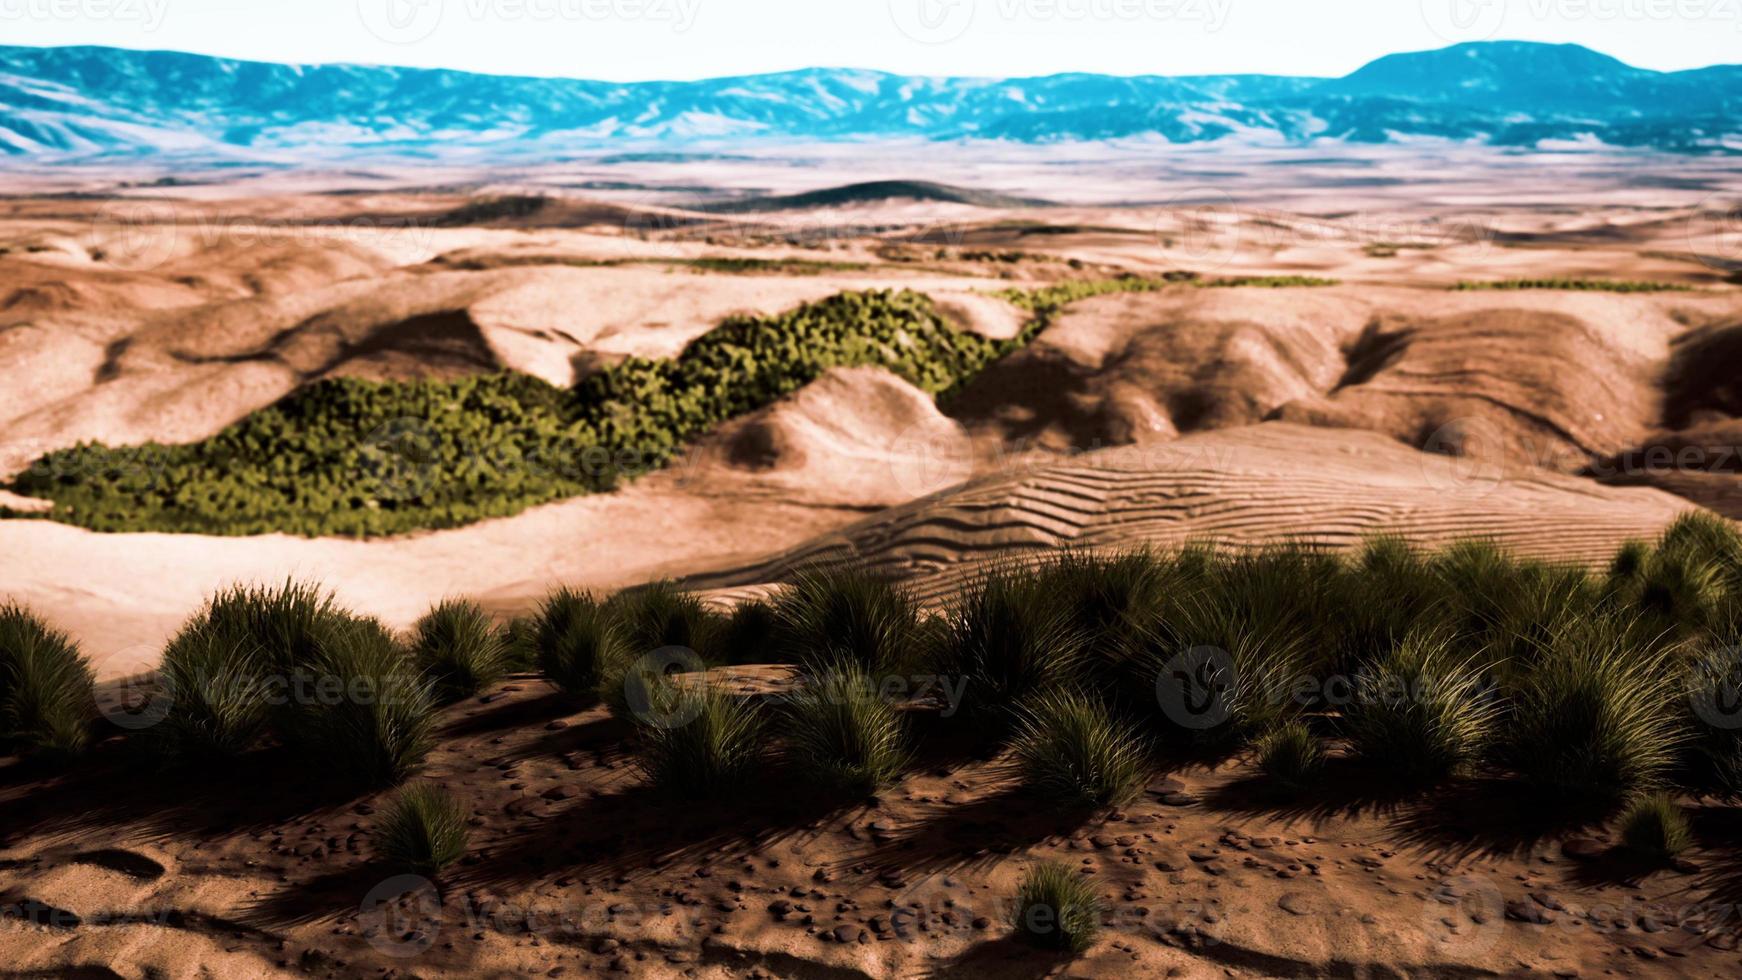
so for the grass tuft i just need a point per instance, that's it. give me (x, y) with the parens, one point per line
(1057, 908)
(1596, 719)
(1073, 752)
(46, 702)
(460, 650)
(578, 642)
(423, 830)
(837, 610)
(1422, 713)
(708, 746)
(843, 735)
(362, 710)
(1290, 757)
(1011, 637)
(1654, 826)
(662, 615)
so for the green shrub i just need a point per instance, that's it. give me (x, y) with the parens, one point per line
(360, 709)
(1595, 719)
(709, 745)
(1290, 757)
(1072, 752)
(1711, 759)
(1010, 637)
(1220, 674)
(460, 650)
(1704, 537)
(1654, 826)
(748, 634)
(577, 642)
(1109, 599)
(832, 611)
(662, 615)
(46, 700)
(519, 638)
(354, 457)
(423, 830)
(217, 683)
(1576, 285)
(842, 734)
(1390, 590)
(1422, 713)
(1057, 908)
(287, 624)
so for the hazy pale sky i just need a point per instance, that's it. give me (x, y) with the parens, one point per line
(683, 39)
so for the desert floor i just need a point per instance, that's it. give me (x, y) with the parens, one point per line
(140, 306)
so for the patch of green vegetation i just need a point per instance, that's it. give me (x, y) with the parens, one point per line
(360, 458)
(844, 735)
(756, 266)
(422, 831)
(339, 692)
(1291, 757)
(46, 701)
(1576, 285)
(1654, 827)
(460, 650)
(1075, 753)
(1057, 908)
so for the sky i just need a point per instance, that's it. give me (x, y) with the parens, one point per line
(687, 39)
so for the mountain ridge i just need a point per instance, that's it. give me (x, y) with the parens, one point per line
(86, 101)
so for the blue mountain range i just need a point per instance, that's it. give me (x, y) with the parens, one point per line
(105, 102)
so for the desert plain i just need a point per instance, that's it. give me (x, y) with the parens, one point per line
(1318, 355)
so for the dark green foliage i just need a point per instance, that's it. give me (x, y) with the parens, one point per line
(216, 679)
(1389, 590)
(578, 641)
(360, 709)
(227, 672)
(1011, 636)
(662, 615)
(423, 830)
(1577, 285)
(1057, 908)
(520, 645)
(709, 745)
(834, 611)
(1596, 718)
(1073, 752)
(1421, 712)
(1654, 826)
(46, 700)
(1110, 598)
(460, 650)
(842, 734)
(747, 635)
(346, 456)
(1290, 757)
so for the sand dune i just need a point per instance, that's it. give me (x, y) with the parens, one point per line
(1241, 487)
